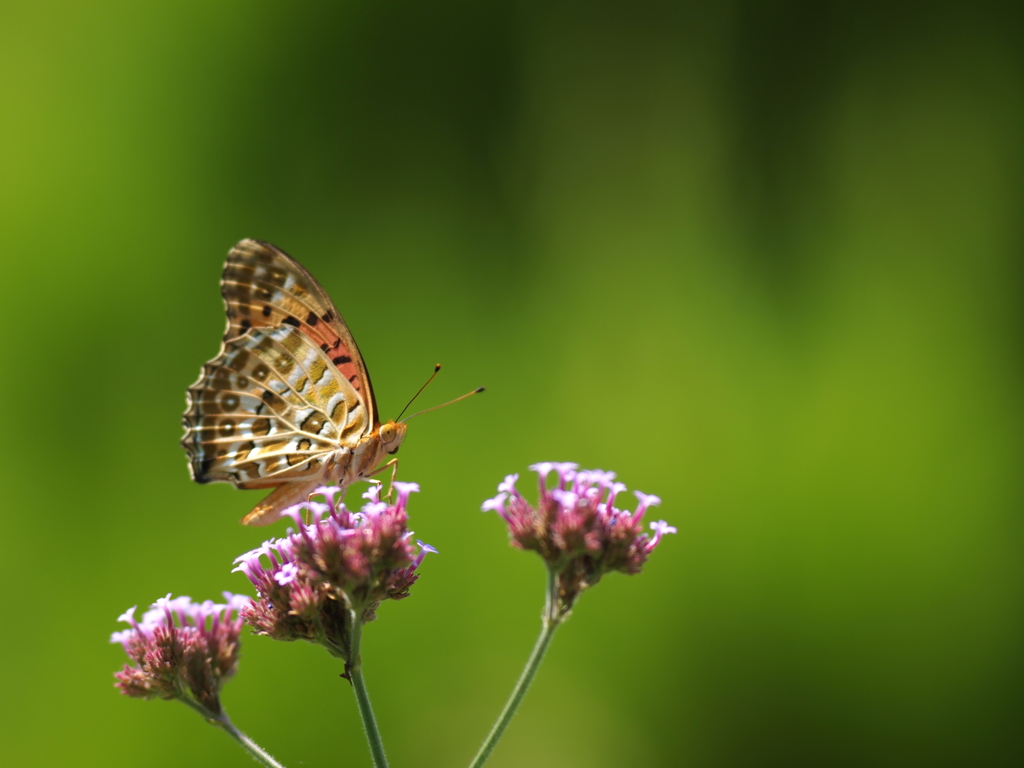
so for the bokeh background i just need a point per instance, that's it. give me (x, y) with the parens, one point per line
(762, 259)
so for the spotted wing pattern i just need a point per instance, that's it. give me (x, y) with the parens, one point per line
(265, 287)
(269, 409)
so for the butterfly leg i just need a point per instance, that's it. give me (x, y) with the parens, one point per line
(394, 471)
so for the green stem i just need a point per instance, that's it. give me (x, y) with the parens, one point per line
(549, 623)
(250, 746)
(355, 673)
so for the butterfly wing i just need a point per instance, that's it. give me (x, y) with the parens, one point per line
(265, 287)
(270, 409)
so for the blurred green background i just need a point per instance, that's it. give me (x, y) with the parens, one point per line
(762, 259)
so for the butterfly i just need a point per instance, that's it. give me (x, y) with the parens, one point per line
(287, 403)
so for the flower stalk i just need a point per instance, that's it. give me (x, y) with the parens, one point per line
(581, 535)
(259, 754)
(550, 620)
(355, 676)
(326, 578)
(186, 651)
(223, 721)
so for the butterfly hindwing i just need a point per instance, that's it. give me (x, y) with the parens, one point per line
(269, 409)
(265, 287)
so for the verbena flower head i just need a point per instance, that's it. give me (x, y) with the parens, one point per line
(338, 562)
(181, 650)
(576, 527)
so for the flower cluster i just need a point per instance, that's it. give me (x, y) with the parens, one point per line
(181, 650)
(576, 528)
(334, 568)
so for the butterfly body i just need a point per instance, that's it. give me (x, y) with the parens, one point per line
(342, 467)
(287, 403)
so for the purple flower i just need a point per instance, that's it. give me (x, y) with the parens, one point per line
(181, 650)
(497, 504)
(310, 582)
(645, 501)
(660, 528)
(566, 471)
(425, 549)
(404, 489)
(543, 469)
(576, 528)
(508, 485)
(287, 574)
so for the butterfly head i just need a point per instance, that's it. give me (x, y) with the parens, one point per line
(391, 436)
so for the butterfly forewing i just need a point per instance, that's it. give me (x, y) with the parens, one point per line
(269, 409)
(265, 287)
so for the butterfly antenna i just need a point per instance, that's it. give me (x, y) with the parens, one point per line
(476, 391)
(436, 369)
